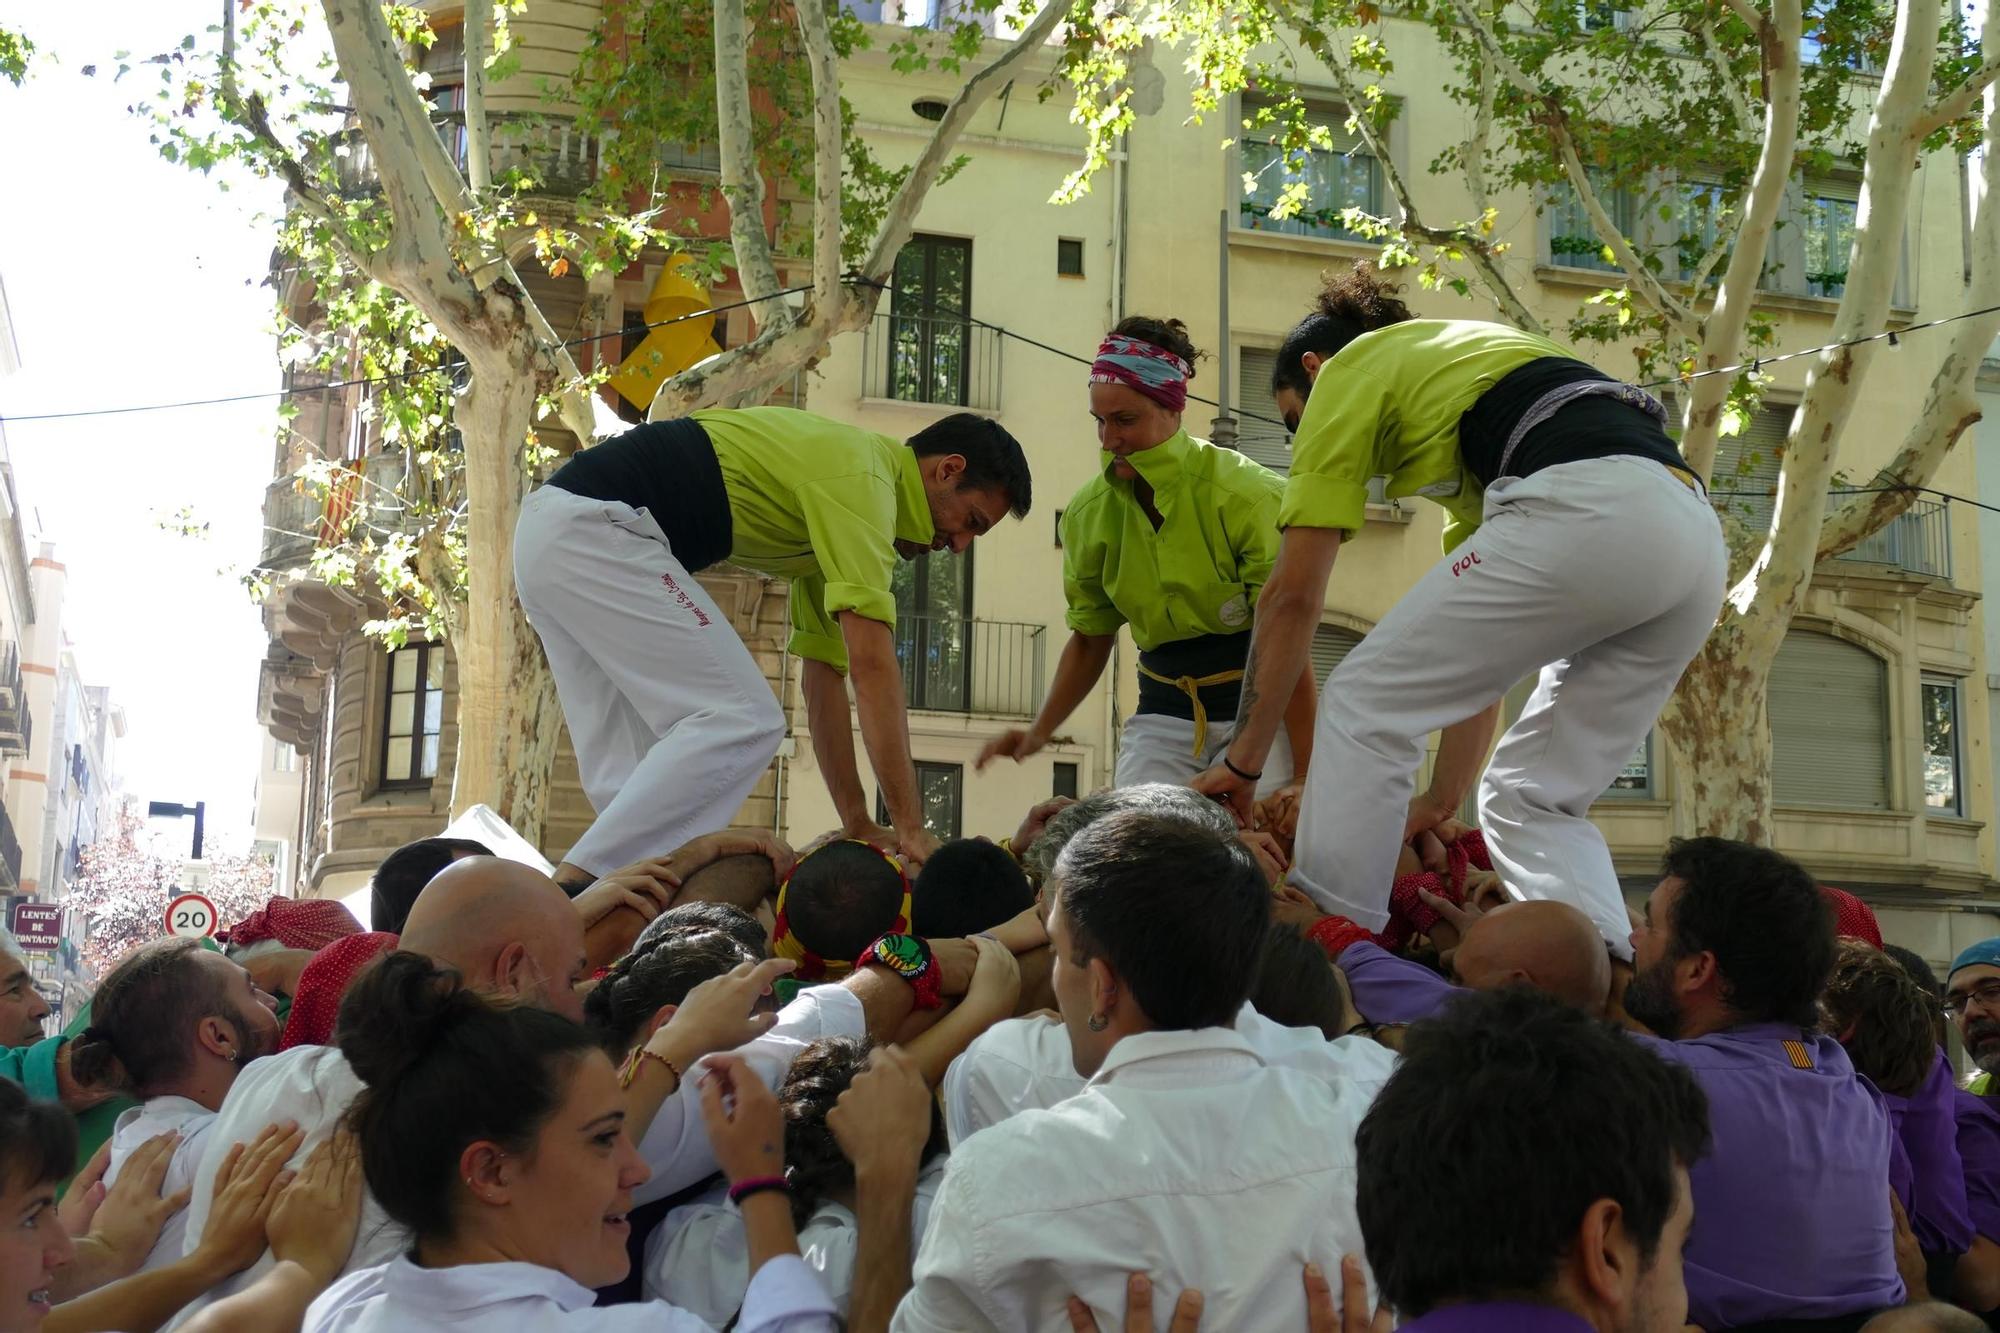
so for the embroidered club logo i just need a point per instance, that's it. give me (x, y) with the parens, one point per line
(1235, 612)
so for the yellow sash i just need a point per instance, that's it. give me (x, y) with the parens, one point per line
(1192, 686)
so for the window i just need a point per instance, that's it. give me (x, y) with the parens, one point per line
(940, 793)
(1828, 706)
(1573, 240)
(929, 334)
(1636, 781)
(1942, 795)
(1699, 215)
(1069, 258)
(934, 629)
(1066, 780)
(1339, 176)
(284, 758)
(1827, 230)
(1330, 646)
(1745, 480)
(1259, 433)
(413, 715)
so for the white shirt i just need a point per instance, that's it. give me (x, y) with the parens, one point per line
(1188, 1158)
(699, 1258)
(676, 1143)
(527, 1298)
(313, 1085)
(1025, 1064)
(156, 1116)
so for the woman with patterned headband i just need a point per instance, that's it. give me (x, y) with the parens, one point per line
(1175, 538)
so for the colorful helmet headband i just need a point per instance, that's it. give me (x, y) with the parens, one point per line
(812, 967)
(1141, 366)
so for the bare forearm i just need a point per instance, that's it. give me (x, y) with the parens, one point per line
(767, 1228)
(94, 1265)
(1288, 611)
(1077, 671)
(885, 729)
(883, 1197)
(1462, 750)
(886, 999)
(1300, 715)
(140, 1303)
(945, 1040)
(832, 727)
(274, 1303)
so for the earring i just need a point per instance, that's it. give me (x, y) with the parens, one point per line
(1097, 1023)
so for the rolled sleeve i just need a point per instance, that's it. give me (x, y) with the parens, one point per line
(815, 634)
(1323, 502)
(1090, 609)
(851, 522)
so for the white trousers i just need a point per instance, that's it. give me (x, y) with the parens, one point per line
(671, 719)
(1154, 747)
(1603, 575)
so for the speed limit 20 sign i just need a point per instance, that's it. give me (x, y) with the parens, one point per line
(191, 917)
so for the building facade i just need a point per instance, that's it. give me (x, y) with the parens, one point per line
(1880, 706)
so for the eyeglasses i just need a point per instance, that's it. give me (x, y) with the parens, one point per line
(1987, 995)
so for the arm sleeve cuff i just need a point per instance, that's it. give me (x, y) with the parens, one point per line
(820, 648)
(875, 603)
(1323, 502)
(1100, 620)
(784, 1294)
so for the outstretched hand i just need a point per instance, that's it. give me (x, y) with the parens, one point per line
(1237, 795)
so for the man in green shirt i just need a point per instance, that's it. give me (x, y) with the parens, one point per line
(1577, 546)
(671, 719)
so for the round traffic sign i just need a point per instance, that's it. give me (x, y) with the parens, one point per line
(191, 917)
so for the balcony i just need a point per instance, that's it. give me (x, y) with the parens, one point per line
(16, 722)
(559, 158)
(10, 853)
(953, 665)
(944, 360)
(1917, 540)
(292, 513)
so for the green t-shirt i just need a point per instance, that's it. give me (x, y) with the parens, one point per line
(1387, 405)
(821, 503)
(1200, 573)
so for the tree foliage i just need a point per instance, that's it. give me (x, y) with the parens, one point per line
(125, 882)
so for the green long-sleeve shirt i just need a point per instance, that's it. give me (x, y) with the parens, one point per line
(1200, 573)
(1387, 405)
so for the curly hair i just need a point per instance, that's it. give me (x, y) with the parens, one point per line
(658, 972)
(815, 1167)
(1349, 304)
(1167, 334)
(1882, 1015)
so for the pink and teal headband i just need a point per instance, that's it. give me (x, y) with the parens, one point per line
(1153, 371)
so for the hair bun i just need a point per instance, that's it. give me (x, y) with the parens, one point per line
(1361, 296)
(396, 1012)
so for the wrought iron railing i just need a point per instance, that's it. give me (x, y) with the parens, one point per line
(1918, 540)
(931, 358)
(559, 157)
(17, 722)
(955, 665)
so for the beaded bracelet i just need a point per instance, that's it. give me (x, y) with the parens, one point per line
(630, 1071)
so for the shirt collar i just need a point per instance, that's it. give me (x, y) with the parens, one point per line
(1160, 465)
(1169, 1057)
(913, 504)
(1498, 1317)
(467, 1287)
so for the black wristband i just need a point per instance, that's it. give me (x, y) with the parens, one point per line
(743, 1189)
(1247, 777)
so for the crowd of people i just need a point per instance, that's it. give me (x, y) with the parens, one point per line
(1256, 1039)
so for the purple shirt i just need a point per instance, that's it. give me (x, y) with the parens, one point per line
(1791, 1203)
(1979, 1149)
(1497, 1317)
(1388, 989)
(1926, 1128)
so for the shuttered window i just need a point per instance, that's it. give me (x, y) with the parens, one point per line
(1267, 441)
(1331, 645)
(1829, 711)
(1745, 480)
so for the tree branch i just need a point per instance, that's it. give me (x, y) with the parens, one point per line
(1473, 150)
(251, 115)
(1746, 116)
(1749, 13)
(478, 27)
(1555, 119)
(1728, 320)
(742, 180)
(824, 63)
(1959, 101)
(902, 212)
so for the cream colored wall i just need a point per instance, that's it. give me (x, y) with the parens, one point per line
(1182, 189)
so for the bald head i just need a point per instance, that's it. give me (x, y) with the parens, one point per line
(1550, 946)
(505, 927)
